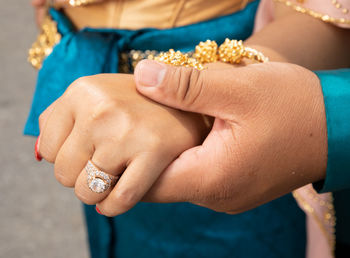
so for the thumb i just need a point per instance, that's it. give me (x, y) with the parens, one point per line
(208, 91)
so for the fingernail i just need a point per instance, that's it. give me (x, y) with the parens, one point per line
(36, 150)
(98, 211)
(150, 73)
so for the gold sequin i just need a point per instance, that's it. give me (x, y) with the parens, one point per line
(317, 15)
(327, 219)
(339, 6)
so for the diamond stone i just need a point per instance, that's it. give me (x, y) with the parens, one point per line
(98, 185)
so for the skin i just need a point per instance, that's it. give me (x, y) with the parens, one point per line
(311, 43)
(267, 139)
(109, 127)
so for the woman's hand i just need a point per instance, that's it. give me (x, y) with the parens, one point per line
(104, 119)
(269, 135)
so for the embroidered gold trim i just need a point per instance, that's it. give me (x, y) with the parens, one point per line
(328, 215)
(317, 15)
(339, 6)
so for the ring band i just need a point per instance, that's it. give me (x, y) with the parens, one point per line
(97, 180)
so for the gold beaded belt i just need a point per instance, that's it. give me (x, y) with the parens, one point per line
(231, 51)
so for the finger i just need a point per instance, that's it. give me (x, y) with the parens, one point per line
(42, 120)
(45, 115)
(137, 179)
(195, 174)
(110, 159)
(72, 158)
(210, 91)
(182, 180)
(55, 130)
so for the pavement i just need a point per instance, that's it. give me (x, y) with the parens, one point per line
(38, 217)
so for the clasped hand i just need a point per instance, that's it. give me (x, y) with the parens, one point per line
(268, 138)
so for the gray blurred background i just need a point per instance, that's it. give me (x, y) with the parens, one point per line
(38, 217)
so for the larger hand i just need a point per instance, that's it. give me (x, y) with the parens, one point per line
(269, 135)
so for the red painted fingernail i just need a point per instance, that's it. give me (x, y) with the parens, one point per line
(98, 211)
(36, 150)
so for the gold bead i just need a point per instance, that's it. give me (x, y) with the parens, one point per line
(45, 42)
(206, 52)
(178, 59)
(231, 51)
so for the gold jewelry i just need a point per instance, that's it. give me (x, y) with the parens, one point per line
(206, 52)
(178, 59)
(231, 51)
(49, 36)
(44, 43)
(97, 180)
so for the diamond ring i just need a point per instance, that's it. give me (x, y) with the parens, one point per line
(97, 180)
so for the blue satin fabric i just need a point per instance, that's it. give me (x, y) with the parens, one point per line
(336, 91)
(166, 230)
(274, 230)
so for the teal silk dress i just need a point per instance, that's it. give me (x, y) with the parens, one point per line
(276, 229)
(336, 91)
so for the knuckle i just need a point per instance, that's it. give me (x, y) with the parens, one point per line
(125, 199)
(81, 81)
(191, 86)
(102, 110)
(46, 152)
(109, 212)
(47, 157)
(85, 197)
(71, 89)
(63, 179)
(156, 142)
(41, 120)
(80, 87)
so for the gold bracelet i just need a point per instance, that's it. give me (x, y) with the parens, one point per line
(231, 51)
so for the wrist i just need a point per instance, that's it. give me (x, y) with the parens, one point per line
(318, 148)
